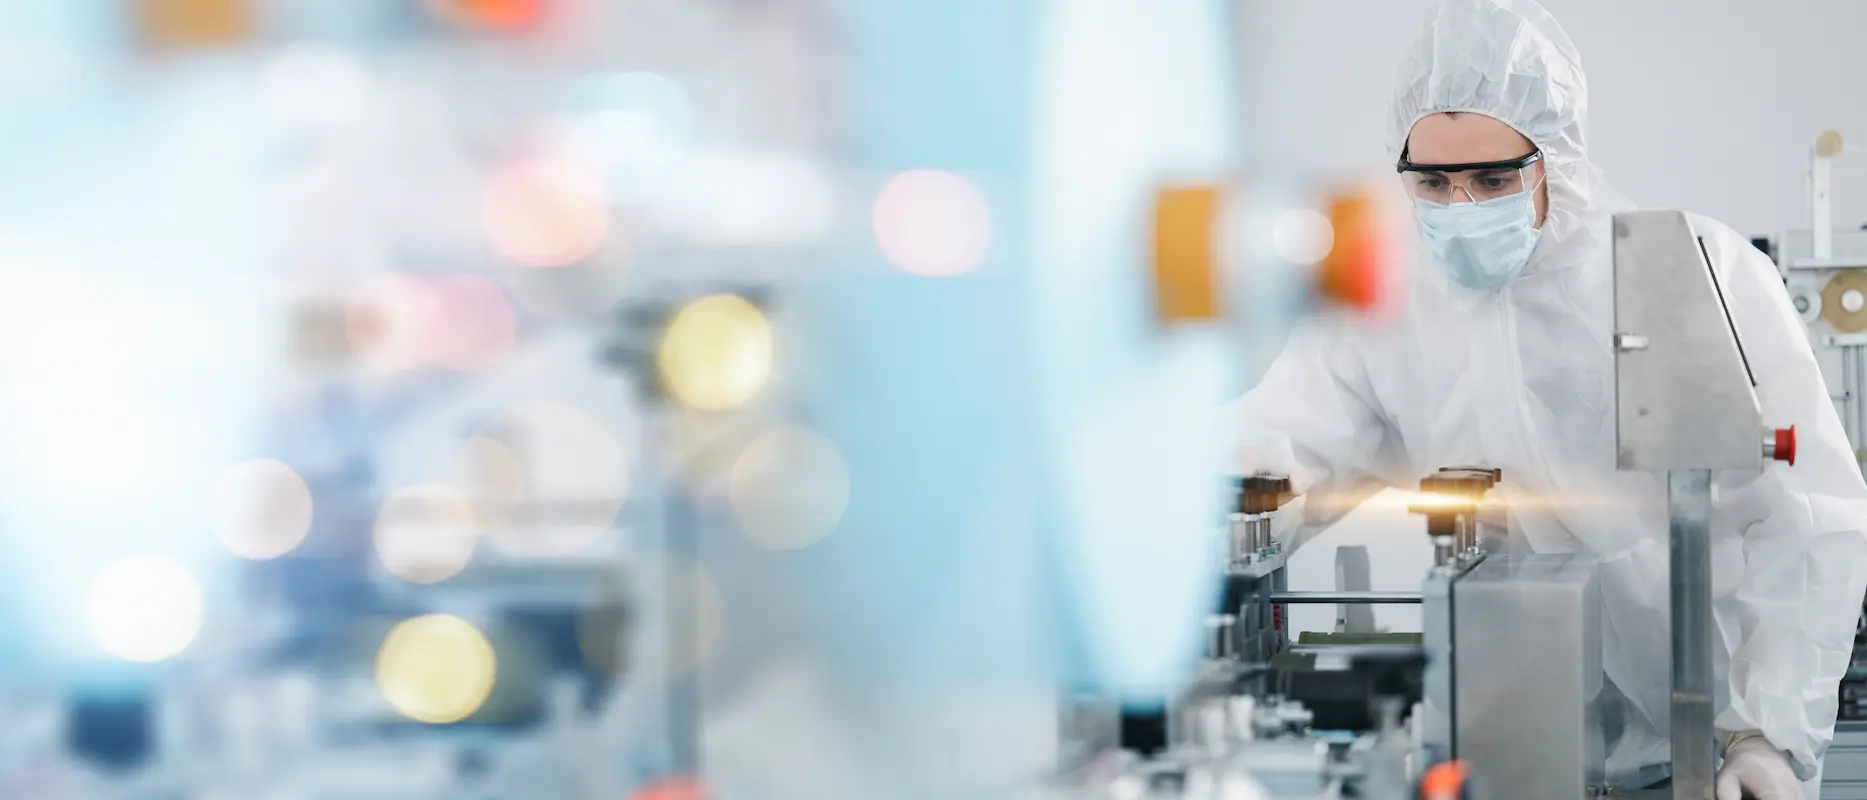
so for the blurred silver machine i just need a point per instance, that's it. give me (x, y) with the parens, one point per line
(1498, 696)
(1824, 268)
(1825, 271)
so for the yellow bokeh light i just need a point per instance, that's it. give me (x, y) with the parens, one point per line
(146, 609)
(436, 669)
(425, 534)
(717, 353)
(261, 509)
(789, 489)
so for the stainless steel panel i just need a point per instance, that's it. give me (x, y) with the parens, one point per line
(1438, 705)
(1352, 574)
(1684, 398)
(1262, 568)
(1528, 669)
(1844, 768)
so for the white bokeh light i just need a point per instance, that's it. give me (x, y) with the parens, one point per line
(1303, 236)
(145, 609)
(261, 509)
(575, 477)
(425, 534)
(932, 223)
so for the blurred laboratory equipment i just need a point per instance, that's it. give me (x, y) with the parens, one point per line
(650, 399)
(713, 398)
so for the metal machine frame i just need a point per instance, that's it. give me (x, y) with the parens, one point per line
(1686, 405)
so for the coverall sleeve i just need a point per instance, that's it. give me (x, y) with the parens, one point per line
(1314, 417)
(1802, 526)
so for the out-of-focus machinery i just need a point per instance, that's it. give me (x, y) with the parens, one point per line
(1824, 268)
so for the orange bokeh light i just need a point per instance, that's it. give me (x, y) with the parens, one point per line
(504, 15)
(674, 789)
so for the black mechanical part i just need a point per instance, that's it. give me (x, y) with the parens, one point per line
(1262, 494)
(1347, 697)
(1853, 697)
(1465, 483)
(1144, 730)
(1762, 243)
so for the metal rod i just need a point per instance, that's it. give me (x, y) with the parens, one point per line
(1857, 390)
(1444, 553)
(1849, 396)
(1689, 499)
(1359, 650)
(1821, 207)
(1346, 597)
(1220, 644)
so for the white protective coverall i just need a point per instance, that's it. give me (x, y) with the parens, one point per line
(1522, 379)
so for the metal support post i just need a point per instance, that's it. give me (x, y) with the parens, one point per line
(1693, 746)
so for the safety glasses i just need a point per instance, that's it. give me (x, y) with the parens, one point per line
(1476, 182)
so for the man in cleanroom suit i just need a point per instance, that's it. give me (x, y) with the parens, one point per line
(1501, 358)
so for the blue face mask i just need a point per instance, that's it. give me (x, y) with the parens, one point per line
(1483, 245)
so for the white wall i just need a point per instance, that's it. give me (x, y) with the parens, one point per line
(1708, 105)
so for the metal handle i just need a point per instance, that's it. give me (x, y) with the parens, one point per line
(1629, 342)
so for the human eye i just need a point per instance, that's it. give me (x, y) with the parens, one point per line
(1497, 182)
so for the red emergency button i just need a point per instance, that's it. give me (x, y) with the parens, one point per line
(1780, 444)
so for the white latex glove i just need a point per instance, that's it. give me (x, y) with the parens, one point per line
(1755, 770)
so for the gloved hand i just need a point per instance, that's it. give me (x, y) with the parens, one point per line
(1755, 770)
